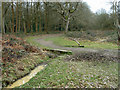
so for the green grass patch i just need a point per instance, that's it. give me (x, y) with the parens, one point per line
(83, 74)
(61, 40)
(64, 41)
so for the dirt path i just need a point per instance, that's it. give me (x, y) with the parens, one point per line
(104, 52)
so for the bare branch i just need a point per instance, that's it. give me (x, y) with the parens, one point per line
(74, 9)
(6, 10)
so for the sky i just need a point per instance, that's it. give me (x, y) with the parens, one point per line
(96, 5)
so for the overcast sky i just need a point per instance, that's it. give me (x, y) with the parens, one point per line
(96, 5)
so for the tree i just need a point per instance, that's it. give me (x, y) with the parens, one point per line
(116, 14)
(46, 16)
(31, 16)
(40, 16)
(16, 16)
(19, 11)
(12, 7)
(84, 17)
(31, 22)
(118, 24)
(5, 7)
(66, 11)
(37, 7)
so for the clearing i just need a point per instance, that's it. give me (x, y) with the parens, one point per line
(87, 68)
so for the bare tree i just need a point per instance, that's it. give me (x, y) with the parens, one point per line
(46, 16)
(31, 22)
(40, 18)
(16, 16)
(118, 24)
(20, 6)
(5, 7)
(66, 10)
(12, 17)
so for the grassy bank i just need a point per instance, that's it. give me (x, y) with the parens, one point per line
(21, 67)
(19, 58)
(64, 41)
(68, 74)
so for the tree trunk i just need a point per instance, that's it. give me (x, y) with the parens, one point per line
(31, 19)
(37, 8)
(28, 23)
(16, 15)
(3, 26)
(40, 26)
(12, 18)
(35, 16)
(24, 23)
(19, 23)
(7, 27)
(46, 22)
(10, 26)
(36, 25)
(67, 24)
(40, 21)
(19, 18)
(118, 35)
(24, 27)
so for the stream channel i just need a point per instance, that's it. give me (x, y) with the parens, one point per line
(28, 77)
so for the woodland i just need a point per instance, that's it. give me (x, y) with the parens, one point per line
(59, 45)
(38, 17)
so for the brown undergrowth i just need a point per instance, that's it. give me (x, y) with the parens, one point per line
(19, 58)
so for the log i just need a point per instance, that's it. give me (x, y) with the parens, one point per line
(58, 51)
(75, 41)
(73, 46)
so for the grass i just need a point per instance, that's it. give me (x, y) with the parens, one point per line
(31, 40)
(69, 74)
(64, 41)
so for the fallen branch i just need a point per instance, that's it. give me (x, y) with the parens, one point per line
(75, 41)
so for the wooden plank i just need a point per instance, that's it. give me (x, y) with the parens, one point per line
(58, 51)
